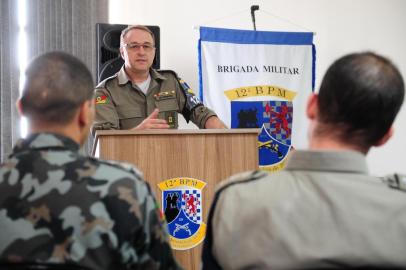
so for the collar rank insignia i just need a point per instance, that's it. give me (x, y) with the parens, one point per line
(182, 204)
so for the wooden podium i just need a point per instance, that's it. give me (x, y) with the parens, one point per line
(207, 155)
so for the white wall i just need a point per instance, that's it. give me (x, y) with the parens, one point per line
(342, 26)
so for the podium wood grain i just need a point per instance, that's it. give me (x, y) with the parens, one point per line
(207, 155)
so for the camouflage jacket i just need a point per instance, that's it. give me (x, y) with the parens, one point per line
(57, 205)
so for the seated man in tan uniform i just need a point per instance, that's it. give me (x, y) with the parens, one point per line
(139, 97)
(324, 210)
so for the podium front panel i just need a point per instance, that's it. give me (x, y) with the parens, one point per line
(207, 155)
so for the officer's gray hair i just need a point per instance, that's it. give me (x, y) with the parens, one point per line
(133, 27)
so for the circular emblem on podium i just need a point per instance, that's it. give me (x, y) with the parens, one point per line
(182, 205)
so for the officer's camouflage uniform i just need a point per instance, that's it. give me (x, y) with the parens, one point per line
(59, 206)
(120, 104)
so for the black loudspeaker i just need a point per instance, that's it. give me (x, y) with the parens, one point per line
(109, 60)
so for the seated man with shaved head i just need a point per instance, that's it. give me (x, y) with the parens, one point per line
(324, 210)
(59, 206)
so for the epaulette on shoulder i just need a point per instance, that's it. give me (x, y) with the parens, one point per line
(192, 101)
(241, 178)
(233, 181)
(396, 181)
(102, 84)
(168, 71)
(126, 167)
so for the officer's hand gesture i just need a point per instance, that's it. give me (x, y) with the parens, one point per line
(152, 122)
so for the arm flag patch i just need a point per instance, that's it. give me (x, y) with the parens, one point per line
(101, 99)
(192, 101)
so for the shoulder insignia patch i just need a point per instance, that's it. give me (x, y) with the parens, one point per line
(192, 101)
(101, 99)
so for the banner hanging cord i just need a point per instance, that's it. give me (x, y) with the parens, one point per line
(286, 20)
(260, 10)
(222, 18)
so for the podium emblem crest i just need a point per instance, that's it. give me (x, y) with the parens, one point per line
(182, 204)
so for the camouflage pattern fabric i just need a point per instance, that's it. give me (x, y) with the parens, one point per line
(57, 205)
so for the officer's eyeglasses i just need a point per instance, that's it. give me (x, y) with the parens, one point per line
(136, 47)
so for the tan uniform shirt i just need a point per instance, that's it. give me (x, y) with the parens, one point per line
(120, 104)
(324, 210)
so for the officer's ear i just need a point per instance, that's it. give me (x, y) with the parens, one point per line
(86, 113)
(312, 107)
(122, 52)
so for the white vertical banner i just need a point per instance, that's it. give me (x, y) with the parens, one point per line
(259, 79)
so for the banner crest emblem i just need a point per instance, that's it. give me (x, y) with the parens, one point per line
(275, 118)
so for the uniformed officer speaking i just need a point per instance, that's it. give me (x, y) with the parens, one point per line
(140, 97)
